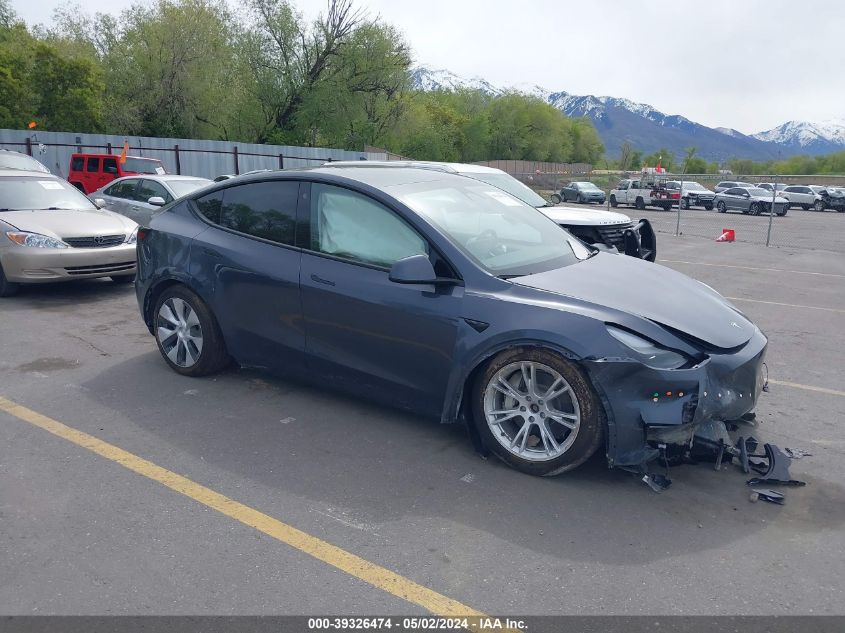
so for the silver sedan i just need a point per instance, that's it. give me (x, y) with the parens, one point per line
(140, 197)
(750, 200)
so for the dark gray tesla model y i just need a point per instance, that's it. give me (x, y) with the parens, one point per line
(445, 295)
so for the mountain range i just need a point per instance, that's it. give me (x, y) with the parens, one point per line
(619, 120)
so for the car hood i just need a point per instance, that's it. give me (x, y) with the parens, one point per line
(649, 291)
(778, 199)
(699, 192)
(62, 224)
(584, 217)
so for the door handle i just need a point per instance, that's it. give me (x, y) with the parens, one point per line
(320, 280)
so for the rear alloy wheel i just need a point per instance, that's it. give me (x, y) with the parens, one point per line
(7, 288)
(556, 198)
(538, 412)
(187, 333)
(818, 205)
(613, 202)
(720, 207)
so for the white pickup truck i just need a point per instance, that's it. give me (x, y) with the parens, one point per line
(643, 192)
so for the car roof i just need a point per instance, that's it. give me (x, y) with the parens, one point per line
(107, 155)
(378, 176)
(28, 172)
(466, 168)
(160, 177)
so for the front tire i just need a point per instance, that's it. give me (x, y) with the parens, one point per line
(818, 205)
(708, 207)
(579, 199)
(754, 209)
(639, 204)
(555, 198)
(537, 411)
(613, 202)
(187, 333)
(7, 288)
(684, 203)
(806, 207)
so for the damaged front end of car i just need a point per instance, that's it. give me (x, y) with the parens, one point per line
(655, 411)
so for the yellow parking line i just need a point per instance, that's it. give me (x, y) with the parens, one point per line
(775, 270)
(788, 305)
(797, 385)
(353, 565)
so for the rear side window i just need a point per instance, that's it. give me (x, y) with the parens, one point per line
(77, 163)
(110, 166)
(123, 189)
(93, 165)
(263, 209)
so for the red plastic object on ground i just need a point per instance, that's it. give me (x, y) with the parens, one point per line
(728, 235)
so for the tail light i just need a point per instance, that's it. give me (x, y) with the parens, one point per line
(143, 232)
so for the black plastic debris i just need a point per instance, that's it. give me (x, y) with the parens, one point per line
(774, 469)
(772, 496)
(656, 481)
(796, 453)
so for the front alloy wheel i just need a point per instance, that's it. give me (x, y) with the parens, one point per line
(539, 411)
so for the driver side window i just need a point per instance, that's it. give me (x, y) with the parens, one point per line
(352, 226)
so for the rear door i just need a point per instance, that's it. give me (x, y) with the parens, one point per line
(734, 199)
(249, 258)
(121, 195)
(387, 340)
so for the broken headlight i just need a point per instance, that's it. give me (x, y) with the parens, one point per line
(648, 352)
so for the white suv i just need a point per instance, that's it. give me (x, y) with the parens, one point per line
(801, 195)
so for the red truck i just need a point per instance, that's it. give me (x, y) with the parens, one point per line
(89, 172)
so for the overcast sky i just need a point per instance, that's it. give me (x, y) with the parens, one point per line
(746, 64)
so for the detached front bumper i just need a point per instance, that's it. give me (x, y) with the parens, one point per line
(42, 265)
(647, 407)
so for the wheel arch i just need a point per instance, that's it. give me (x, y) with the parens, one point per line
(155, 290)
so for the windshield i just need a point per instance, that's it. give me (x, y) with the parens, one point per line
(505, 236)
(184, 187)
(31, 193)
(585, 185)
(694, 186)
(756, 191)
(14, 160)
(511, 185)
(143, 165)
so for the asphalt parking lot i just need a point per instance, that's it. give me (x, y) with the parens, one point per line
(90, 530)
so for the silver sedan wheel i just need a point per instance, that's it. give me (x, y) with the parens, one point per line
(532, 411)
(179, 332)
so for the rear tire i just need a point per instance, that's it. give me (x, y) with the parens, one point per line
(639, 204)
(613, 202)
(543, 459)
(187, 333)
(754, 209)
(818, 205)
(806, 207)
(708, 207)
(721, 208)
(7, 288)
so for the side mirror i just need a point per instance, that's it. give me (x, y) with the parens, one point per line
(416, 269)
(156, 201)
(99, 203)
(746, 195)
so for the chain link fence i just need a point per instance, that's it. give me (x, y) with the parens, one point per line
(802, 227)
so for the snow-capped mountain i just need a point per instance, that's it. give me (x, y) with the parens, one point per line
(803, 136)
(620, 120)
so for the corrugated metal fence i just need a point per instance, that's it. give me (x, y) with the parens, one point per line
(190, 157)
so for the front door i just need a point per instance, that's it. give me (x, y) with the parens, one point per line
(388, 341)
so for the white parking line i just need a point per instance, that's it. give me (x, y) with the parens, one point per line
(776, 270)
(788, 305)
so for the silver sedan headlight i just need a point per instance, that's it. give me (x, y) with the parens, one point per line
(35, 240)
